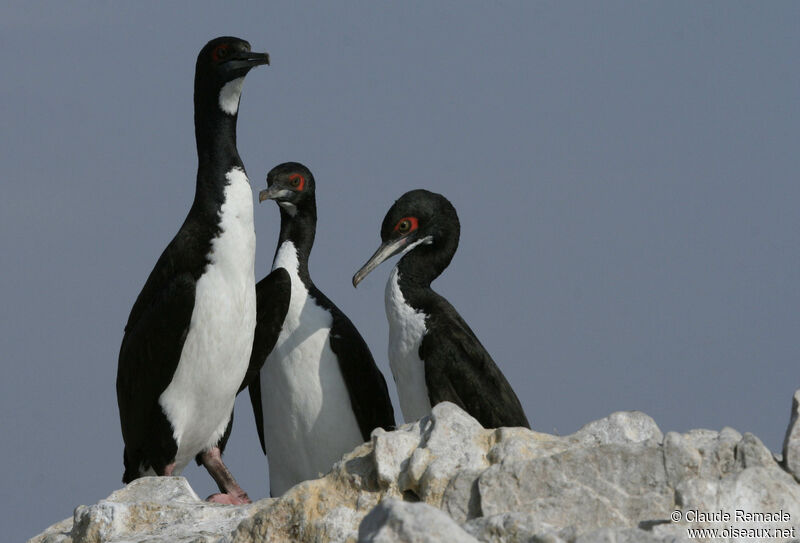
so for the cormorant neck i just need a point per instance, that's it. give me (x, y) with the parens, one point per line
(215, 134)
(425, 262)
(300, 229)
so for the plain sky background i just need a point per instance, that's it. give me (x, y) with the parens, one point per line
(626, 175)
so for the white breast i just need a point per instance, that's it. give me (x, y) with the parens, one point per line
(308, 418)
(199, 400)
(406, 329)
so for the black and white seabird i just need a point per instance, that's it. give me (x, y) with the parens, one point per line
(433, 353)
(320, 393)
(189, 335)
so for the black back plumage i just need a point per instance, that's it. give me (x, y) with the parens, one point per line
(369, 395)
(458, 368)
(158, 323)
(273, 294)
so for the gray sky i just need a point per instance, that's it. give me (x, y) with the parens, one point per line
(626, 175)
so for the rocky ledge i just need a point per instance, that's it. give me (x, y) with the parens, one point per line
(447, 479)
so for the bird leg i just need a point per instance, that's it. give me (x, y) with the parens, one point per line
(232, 493)
(169, 469)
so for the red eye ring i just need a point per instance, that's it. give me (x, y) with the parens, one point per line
(406, 225)
(297, 181)
(220, 52)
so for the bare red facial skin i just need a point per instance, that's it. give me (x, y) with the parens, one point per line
(413, 222)
(220, 52)
(301, 181)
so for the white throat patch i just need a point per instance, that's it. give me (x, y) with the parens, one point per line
(427, 240)
(290, 208)
(229, 96)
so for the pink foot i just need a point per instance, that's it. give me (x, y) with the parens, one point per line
(232, 493)
(229, 499)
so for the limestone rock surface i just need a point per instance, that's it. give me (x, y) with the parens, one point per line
(152, 509)
(396, 521)
(791, 445)
(445, 478)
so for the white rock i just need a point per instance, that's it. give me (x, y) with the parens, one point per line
(615, 480)
(752, 490)
(395, 521)
(155, 509)
(620, 427)
(627, 535)
(516, 528)
(791, 444)
(605, 485)
(452, 442)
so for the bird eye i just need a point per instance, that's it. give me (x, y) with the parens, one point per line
(220, 52)
(297, 181)
(406, 225)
